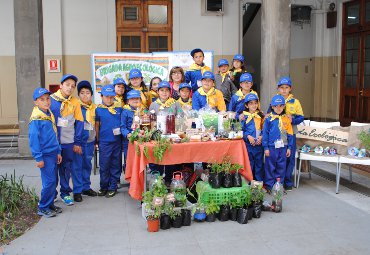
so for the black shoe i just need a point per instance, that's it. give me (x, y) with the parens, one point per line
(288, 188)
(111, 193)
(77, 197)
(55, 209)
(102, 192)
(90, 193)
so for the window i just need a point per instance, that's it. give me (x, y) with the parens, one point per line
(158, 43)
(130, 13)
(157, 14)
(131, 43)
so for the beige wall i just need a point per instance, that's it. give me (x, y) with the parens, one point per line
(8, 91)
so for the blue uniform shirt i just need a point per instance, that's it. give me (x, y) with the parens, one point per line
(272, 133)
(108, 123)
(127, 119)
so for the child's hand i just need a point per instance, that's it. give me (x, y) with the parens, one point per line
(267, 153)
(251, 140)
(259, 140)
(77, 149)
(40, 164)
(129, 135)
(241, 117)
(59, 160)
(288, 153)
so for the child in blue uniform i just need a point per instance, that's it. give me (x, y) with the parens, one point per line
(237, 70)
(68, 116)
(137, 83)
(237, 100)
(294, 111)
(153, 89)
(196, 70)
(45, 149)
(277, 142)
(88, 138)
(164, 102)
(108, 137)
(208, 95)
(119, 88)
(223, 81)
(127, 117)
(252, 133)
(185, 100)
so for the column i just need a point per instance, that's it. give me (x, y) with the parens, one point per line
(275, 48)
(29, 60)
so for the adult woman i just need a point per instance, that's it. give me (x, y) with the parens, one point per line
(177, 77)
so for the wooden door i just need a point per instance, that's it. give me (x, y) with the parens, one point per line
(144, 26)
(355, 75)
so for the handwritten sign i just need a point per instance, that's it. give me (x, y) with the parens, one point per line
(322, 134)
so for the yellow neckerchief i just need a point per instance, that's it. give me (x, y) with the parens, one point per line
(169, 102)
(280, 117)
(153, 93)
(90, 112)
(251, 116)
(290, 97)
(195, 67)
(111, 108)
(223, 75)
(237, 70)
(210, 94)
(241, 96)
(67, 107)
(37, 114)
(120, 100)
(182, 103)
(144, 99)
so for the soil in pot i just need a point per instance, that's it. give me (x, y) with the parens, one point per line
(233, 214)
(214, 180)
(211, 217)
(257, 210)
(242, 217)
(237, 180)
(153, 225)
(224, 213)
(165, 222)
(227, 181)
(186, 217)
(177, 221)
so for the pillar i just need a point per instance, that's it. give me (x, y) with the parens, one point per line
(29, 61)
(275, 46)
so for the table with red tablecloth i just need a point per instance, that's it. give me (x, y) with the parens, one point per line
(184, 153)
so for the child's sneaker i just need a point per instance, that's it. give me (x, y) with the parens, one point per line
(67, 200)
(46, 213)
(111, 193)
(55, 209)
(102, 192)
(288, 188)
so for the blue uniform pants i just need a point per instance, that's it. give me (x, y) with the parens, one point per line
(290, 165)
(65, 169)
(87, 156)
(275, 166)
(255, 154)
(125, 149)
(110, 158)
(77, 173)
(49, 175)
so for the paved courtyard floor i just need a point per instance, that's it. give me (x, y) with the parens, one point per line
(314, 220)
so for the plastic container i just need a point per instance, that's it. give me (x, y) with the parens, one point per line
(178, 187)
(277, 192)
(161, 122)
(153, 119)
(170, 123)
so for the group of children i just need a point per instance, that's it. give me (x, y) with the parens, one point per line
(64, 130)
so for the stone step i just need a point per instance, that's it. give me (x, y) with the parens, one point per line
(8, 144)
(9, 150)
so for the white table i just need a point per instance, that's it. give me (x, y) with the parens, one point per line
(350, 160)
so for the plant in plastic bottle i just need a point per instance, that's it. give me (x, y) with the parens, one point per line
(277, 196)
(257, 198)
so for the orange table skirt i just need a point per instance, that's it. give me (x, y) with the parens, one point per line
(184, 153)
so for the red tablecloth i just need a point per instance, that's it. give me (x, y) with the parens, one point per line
(184, 153)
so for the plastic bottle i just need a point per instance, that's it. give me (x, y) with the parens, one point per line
(178, 187)
(170, 122)
(180, 121)
(277, 196)
(145, 120)
(161, 122)
(153, 119)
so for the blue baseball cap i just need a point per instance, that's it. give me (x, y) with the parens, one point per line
(223, 61)
(250, 97)
(192, 53)
(135, 73)
(285, 81)
(277, 100)
(208, 75)
(185, 85)
(39, 92)
(84, 85)
(68, 76)
(239, 57)
(164, 84)
(108, 90)
(119, 81)
(133, 94)
(246, 77)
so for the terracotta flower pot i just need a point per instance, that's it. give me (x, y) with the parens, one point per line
(153, 225)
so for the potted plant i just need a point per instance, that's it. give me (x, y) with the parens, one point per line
(364, 137)
(215, 175)
(211, 210)
(176, 218)
(227, 181)
(257, 198)
(153, 211)
(186, 216)
(224, 212)
(199, 209)
(165, 220)
(245, 198)
(237, 178)
(235, 204)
